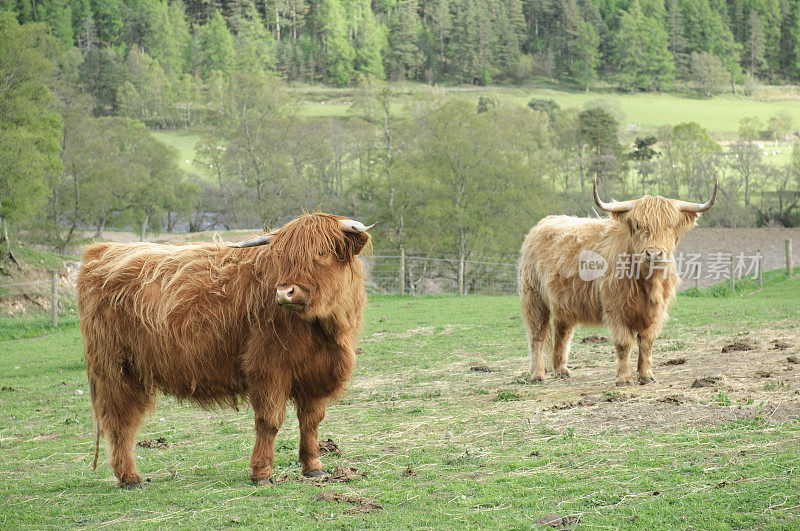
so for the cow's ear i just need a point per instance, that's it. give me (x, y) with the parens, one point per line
(619, 216)
(691, 217)
(356, 241)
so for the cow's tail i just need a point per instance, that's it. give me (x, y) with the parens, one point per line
(96, 425)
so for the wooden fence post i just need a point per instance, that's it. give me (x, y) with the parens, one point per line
(53, 299)
(733, 282)
(760, 266)
(789, 265)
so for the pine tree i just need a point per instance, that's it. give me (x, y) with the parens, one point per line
(677, 42)
(587, 55)
(405, 58)
(339, 53)
(370, 43)
(640, 52)
(212, 47)
(167, 38)
(253, 43)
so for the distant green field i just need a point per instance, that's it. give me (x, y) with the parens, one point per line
(184, 140)
(444, 445)
(720, 115)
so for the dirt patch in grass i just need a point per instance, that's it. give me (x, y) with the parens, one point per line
(589, 402)
(360, 503)
(340, 474)
(329, 448)
(558, 521)
(158, 442)
(594, 338)
(707, 381)
(738, 346)
(701, 387)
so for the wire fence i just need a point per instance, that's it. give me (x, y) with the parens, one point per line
(53, 295)
(424, 275)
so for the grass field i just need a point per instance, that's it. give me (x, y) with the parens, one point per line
(720, 115)
(185, 141)
(442, 445)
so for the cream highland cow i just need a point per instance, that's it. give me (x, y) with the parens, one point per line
(616, 271)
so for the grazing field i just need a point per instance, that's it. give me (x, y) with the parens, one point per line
(185, 141)
(720, 115)
(440, 429)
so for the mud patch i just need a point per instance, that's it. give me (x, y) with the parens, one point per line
(340, 474)
(360, 503)
(777, 344)
(588, 400)
(595, 338)
(346, 473)
(9, 389)
(329, 448)
(738, 346)
(158, 442)
(675, 361)
(708, 381)
(557, 520)
(480, 368)
(792, 359)
(409, 471)
(675, 399)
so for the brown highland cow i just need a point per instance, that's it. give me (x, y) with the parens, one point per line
(272, 319)
(568, 276)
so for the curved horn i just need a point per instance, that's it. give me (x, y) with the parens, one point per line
(258, 240)
(349, 225)
(685, 206)
(614, 206)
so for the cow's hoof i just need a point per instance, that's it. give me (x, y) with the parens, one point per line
(537, 379)
(316, 474)
(132, 484)
(259, 482)
(646, 380)
(624, 384)
(562, 374)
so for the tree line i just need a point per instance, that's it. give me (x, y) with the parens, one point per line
(139, 54)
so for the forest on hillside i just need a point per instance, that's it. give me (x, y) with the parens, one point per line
(132, 47)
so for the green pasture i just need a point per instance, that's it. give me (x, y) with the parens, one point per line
(720, 115)
(185, 141)
(442, 446)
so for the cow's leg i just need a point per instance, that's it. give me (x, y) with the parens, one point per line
(310, 412)
(120, 405)
(563, 336)
(623, 344)
(645, 365)
(536, 315)
(269, 404)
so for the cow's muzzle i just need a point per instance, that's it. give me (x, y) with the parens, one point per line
(654, 254)
(290, 296)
